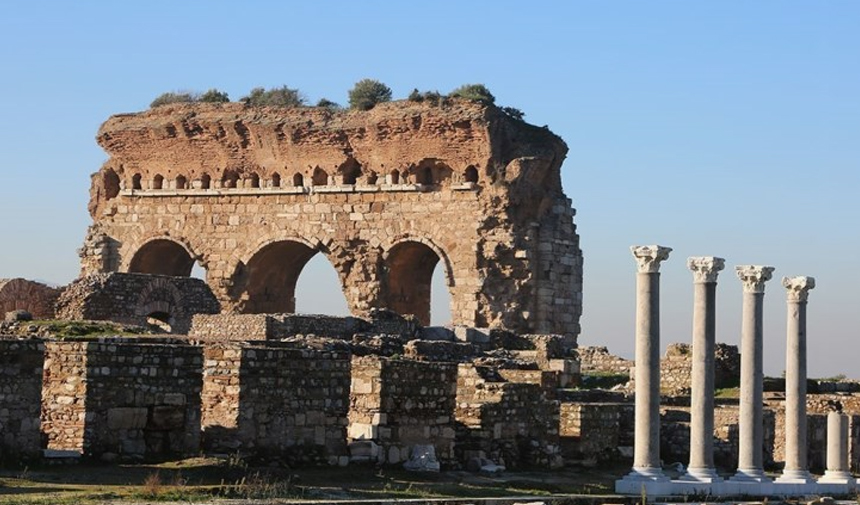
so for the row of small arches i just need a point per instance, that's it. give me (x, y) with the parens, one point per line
(232, 180)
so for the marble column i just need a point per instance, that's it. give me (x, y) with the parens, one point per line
(838, 471)
(796, 465)
(646, 449)
(750, 424)
(705, 270)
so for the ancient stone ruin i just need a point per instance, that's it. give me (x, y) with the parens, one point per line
(386, 195)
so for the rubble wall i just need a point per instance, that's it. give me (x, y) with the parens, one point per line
(21, 363)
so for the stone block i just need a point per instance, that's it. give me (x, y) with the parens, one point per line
(127, 418)
(167, 417)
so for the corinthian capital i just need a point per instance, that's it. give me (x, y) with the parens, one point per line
(705, 268)
(754, 277)
(648, 257)
(798, 287)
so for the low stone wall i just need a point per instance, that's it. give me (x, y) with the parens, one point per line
(241, 327)
(510, 423)
(676, 368)
(21, 294)
(398, 404)
(135, 298)
(597, 359)
(275, 402)
(123, 398)
(589, 431)
(21, 363)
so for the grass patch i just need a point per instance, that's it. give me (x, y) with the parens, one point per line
(728, 393)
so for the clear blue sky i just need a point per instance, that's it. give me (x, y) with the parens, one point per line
(725, 128)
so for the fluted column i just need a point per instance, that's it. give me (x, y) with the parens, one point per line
(838, 471)
(705, 270)
(646, 450)
(796, 465)
(750, 424)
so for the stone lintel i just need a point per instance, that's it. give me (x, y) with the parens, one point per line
(754, 276)
(798, 287)
(648, 257)
(705, 268)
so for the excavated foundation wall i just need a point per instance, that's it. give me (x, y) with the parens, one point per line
(123, 398)
(21, 364)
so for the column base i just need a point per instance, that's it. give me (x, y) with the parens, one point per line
(837, 477)
(795, 477)
(651, 481)
(752, 475)
(704, 475)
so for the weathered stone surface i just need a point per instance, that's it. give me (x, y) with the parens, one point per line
(137, 299)
(21, 363)
(34, 297)
(385, 195)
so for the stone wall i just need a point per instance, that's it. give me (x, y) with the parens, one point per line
(589, 431)
(386, 195)
(21, 363)
(598, 359)
(509, 423)
(21, 294)
(676, 368)
(280, 326)
(123, 398)
(399, 404)
(137, 299)
(280, 403)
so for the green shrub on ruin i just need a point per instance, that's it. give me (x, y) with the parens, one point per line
(431, 97)
(275, 97)
(514, 113)
(475, 92)
(173, 97)
(367, 93)
(328, 104)
(214, 96)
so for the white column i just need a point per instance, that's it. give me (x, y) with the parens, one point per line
(705, 270)
(646, 450)
(796, 465)
(838, 470)
(750, 424)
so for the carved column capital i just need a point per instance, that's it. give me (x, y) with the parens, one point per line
(648, 257)
(798, 287)
(705, 268)
(754, 277)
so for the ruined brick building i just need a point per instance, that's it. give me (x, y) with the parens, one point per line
(386, 195)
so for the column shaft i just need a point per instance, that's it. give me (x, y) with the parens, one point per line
(750, 423)
(702, 387)
(795, 388)
(646, 453)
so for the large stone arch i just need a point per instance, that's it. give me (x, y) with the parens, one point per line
(264, 279)
(408, 266)
(162, 255)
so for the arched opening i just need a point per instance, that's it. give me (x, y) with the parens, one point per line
(198, 271)
(229, 180)
(317, 288)
(440, 299)
(267, 284)
(205, 182)
(471, 174)
(276, 180)
(135, 181)
(350, 171)
(372, 178)
(181, 182)
(409, 276)
(111, 184)
(298, 180)
(162, 257)
(320, 177)
(395, 177)
(253, 181)
(160, 321)
(158, 182)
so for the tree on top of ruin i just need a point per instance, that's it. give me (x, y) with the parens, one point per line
(475, 92)
(368, 92)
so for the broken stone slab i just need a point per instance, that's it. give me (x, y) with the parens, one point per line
(423, 459)
(472, 335)
(363, 450)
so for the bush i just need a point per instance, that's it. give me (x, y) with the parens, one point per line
(514, 113)
(476, 92)
(367, 93)
(328, 104)
(275, 97)
(214, 96)
(431, 97)
(174, 97)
